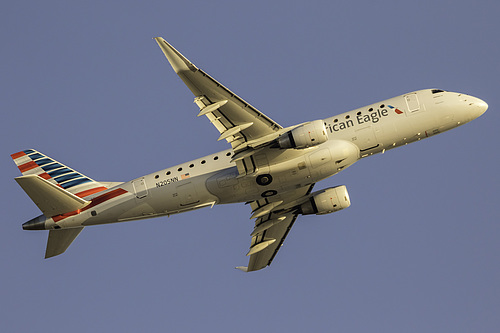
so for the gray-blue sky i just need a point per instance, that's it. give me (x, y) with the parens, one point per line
(416, 252)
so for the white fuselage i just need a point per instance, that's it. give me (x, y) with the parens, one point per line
(214, 179)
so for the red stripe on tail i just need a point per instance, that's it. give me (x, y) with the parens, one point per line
(17, 155)
(90, 192)
(45, 175)
(96, 201)
(27, 166)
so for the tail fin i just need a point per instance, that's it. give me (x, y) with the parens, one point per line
(32, 162)
(60, 240)
(56, 189)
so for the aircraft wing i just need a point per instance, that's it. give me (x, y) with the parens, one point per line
(274, 221)
(237, 121)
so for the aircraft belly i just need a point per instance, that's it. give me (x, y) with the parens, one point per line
(128, 208)
(228, 187)
(285, 174)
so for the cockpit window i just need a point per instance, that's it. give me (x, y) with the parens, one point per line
(436, 91)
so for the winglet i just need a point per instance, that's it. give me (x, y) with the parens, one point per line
(178, 62)
(242, 268)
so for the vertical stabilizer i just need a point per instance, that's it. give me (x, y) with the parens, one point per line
(32, 162)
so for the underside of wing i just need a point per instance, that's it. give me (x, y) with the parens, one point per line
(237, 121)
(274, 221)
(267, 243)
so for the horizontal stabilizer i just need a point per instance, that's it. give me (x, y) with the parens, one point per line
(60, 240)
(50, 198)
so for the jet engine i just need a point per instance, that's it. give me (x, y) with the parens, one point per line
(303, 136)
(326, 201)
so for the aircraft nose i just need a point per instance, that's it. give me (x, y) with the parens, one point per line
(478, 107)
(38, 223)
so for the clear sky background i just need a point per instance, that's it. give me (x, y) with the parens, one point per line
(418, 250)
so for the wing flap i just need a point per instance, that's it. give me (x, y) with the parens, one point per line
(50, 198)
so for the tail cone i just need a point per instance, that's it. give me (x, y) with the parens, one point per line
(38, 223)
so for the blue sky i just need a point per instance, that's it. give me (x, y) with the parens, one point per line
(417, 251)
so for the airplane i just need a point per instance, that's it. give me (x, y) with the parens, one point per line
(271, 168)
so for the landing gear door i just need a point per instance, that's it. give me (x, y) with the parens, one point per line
(140, 188)
(365, 139)
(187, 195)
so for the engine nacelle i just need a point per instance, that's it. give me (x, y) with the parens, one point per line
(326, 201)
(303, 136)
